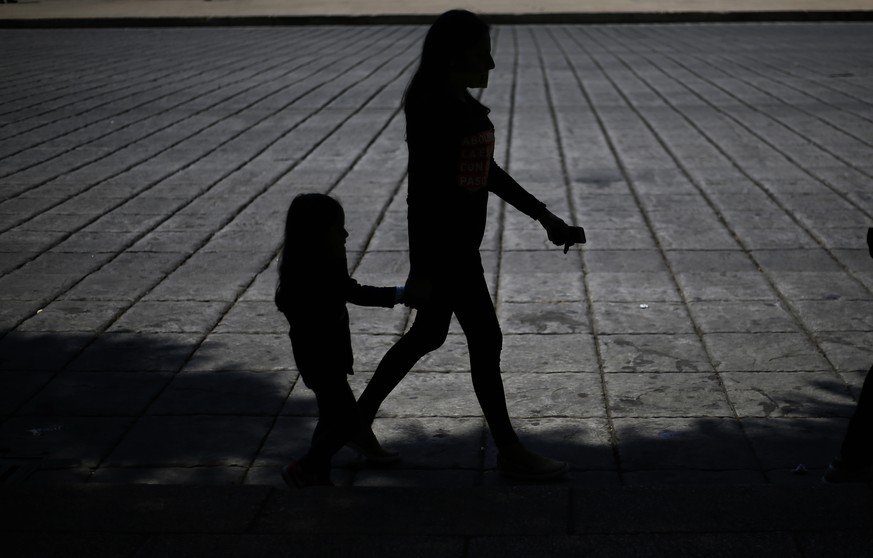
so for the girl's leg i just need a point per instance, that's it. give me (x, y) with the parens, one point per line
(475, 313)
(428, 333)
(338, 419)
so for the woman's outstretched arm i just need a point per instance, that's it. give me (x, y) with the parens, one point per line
(502, 184)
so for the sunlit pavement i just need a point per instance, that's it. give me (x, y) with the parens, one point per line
(696, 362)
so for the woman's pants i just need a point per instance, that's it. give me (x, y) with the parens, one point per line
(466, 296)
(857, 449)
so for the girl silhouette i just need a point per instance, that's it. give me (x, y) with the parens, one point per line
(313, 288)
(451, 172)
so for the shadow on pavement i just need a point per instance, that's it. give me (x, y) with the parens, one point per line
(172, 409)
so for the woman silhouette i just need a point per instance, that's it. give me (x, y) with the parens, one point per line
(451, 172)
(855, 461)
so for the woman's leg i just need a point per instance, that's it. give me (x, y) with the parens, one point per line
(475, 313)
(857, 449)
(428, 333)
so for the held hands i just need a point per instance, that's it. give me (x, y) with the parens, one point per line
(416, 292)
(560, 233)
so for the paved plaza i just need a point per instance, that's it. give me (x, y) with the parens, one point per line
(714, 331)
(234, 12)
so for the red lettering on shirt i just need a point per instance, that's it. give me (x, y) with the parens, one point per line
(474, 160)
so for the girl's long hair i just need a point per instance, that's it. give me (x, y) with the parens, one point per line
(448, 38)
(305, 259)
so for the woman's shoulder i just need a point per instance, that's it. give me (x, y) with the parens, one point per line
(430, 105)
(431, 112)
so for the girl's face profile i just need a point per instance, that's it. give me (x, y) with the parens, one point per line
(471, 70)
(336, 238)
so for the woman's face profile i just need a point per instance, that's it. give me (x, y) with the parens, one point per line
(471, 70)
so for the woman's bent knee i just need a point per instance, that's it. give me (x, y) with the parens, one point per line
(427, 338)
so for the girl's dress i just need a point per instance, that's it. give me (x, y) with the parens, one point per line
(315, 306)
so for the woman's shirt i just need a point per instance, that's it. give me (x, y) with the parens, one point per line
(451, 172)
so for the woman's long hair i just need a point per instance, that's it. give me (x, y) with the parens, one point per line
(453, 33)
(305, 253)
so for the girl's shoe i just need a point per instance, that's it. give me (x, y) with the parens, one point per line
(295, 477)
(519, 462)
(366, 443)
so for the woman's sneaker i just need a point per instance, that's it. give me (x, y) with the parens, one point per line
(366, 443)
(519, 462)
(295, 477)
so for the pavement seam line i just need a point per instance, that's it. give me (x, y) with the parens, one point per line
(610, 419)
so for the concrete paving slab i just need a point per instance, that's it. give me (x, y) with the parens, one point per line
(847, 350)
(642, 545)
(295, 545)
(242, 351)
(771, 439)
(584, 444)
(169, 317)
(653, 353)
(640, 287)
(543, 318)
(192, 441)
(777, 352)
(529, 510)
(666, 394)
(549, 353)
(25, 351)
(67, 442)
(725, 285)
(743, 317)
(198, 476)
(122, 352)
(598, 523)
(641, 317)
(744, 477)
(224, 393)
(456, 396)
(563, 395)
(113, 394)
(732, 510)
(434, 442)
(779, 394)
(98, 510)
(72, 315)
(849, 543)
(679, 443)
